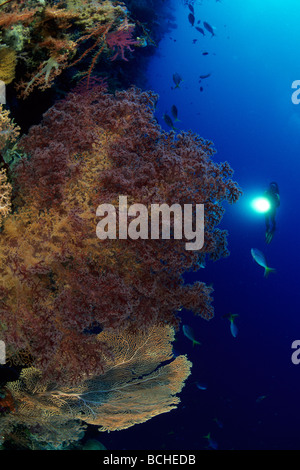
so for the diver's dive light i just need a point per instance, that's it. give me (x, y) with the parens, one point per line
(261, 204)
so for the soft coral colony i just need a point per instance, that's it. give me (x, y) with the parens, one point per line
(40, 39)
(60, 285)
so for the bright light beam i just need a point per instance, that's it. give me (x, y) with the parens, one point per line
(261, 205)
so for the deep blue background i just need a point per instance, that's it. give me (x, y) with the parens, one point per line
(246, 110)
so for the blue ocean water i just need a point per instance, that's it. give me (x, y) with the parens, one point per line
(245, 108)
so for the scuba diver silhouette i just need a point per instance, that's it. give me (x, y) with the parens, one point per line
(272, 195)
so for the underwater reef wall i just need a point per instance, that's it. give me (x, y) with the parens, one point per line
(88, 324)
(60, 285)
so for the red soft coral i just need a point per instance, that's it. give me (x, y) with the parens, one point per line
(120, 40)
(90, 149)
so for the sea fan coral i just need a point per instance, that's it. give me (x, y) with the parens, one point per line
(141, 379)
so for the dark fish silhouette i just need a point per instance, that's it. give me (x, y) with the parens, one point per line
(168, 121)
(177, 79)
(209, 28)
(204, 53)
(205, 76)
(191, 8)
(201, 88)
(174, 112)
(191, 19)
(200, 30)
(189, 333)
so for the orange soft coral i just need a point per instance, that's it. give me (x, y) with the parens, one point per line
(5, 195)
(51, 38)
(9, 131)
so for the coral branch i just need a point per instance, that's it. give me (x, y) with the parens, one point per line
(120, 40)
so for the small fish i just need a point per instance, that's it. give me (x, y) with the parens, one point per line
(211, 442)
(199, 21)
(209, 28)
(205, 76)
(174, 112)
(191, 19)
(233, 327)
(201, 88)
(200, 30)
(141, 42)
(168, 121)
(218, 423)
(177, 79)
(201, 386)
(205, 53)
(188, 332)
(260, 399)
(191, 8)
(194, 41)
(259, 257)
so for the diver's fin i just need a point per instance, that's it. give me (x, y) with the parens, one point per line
(269, 237)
